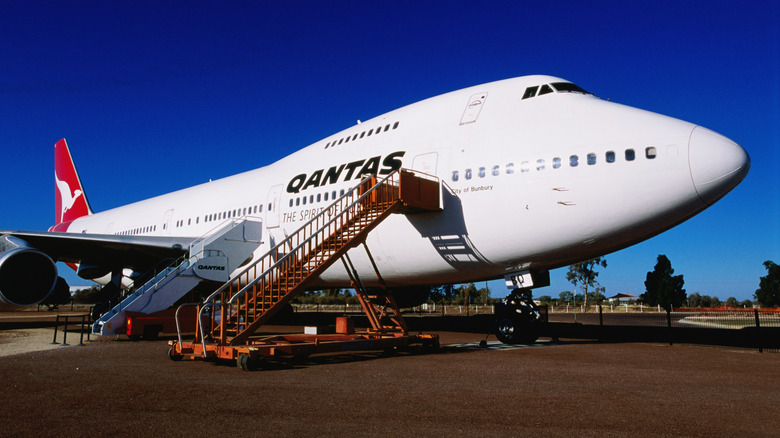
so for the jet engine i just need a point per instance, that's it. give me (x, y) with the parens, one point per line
(27, 277)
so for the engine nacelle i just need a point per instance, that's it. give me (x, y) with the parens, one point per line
(27, 277)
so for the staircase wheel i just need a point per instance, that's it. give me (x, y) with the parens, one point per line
(245, 362)
(172, 356)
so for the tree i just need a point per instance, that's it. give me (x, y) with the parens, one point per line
(731, 301)
(565, 297)
(442, 294)
(661, 288)
(583, 274)
(60, 295)
(768, 292)
(694, 300)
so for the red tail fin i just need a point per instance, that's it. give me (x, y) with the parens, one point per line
(70, 200)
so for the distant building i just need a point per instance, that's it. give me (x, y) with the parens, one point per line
(623, 298)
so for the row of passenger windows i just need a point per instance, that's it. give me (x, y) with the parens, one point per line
(574, 160)
(222, 215)
(141, 230)
(368, 133)
(254, 209)
(311, 199)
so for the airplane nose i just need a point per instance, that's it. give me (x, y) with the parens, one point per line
(717, 164)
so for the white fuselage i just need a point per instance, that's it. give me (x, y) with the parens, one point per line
(513, 197)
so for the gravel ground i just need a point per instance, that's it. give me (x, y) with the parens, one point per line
(551, 389)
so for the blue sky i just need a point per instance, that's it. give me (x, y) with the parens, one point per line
(157, 96)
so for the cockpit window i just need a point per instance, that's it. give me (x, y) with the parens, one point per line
(546, 89)
(568, 87)
(560, 87)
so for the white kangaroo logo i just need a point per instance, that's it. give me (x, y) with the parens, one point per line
(65, 196)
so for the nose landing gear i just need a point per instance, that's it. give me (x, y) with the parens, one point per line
(518, 318)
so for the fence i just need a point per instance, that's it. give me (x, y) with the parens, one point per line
(727, 326)
(425, 309)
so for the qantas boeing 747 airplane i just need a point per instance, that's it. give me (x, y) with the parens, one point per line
(535, 173)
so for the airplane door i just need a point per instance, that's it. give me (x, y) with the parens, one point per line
(273, 207)
(426, 163)
(166, 225)
(473, 108)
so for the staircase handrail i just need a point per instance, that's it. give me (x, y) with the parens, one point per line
(287, 240)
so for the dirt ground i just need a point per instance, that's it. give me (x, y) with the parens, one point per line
(549, 389)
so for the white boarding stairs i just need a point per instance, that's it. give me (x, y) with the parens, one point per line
(211, 257)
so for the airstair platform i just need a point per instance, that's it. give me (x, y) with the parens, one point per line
(229, 318)
(211, 257)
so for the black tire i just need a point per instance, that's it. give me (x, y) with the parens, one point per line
(515, 329)
(172, 356)
(246, 363)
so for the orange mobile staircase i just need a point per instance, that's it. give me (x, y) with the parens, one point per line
(229, 318)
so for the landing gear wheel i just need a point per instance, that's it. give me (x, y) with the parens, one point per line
(518, 319)
(515, 330)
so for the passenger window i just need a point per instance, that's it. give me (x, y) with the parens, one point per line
(468, 174)
(556, 163)
(362, 134)
(455, 175)
(510, 168)
(297, 201)
(481, 172)
(395, 126)
(387, 127)
(651, 152)
(610, 156)
(496, 170)
(591, 159)
(354, 137)
(525, 167)
(574, 161)
(370, 131)
(539, 164)
(530, 92)
(326, 196)
(319, 197)
(630, 155)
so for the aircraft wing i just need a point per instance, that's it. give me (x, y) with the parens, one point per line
(139, 253)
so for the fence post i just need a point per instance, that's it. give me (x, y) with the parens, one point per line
(56, 324)
(758, 331)
(669, 323)
(65, 332)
